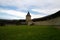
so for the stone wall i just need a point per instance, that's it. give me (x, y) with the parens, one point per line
(55, 21)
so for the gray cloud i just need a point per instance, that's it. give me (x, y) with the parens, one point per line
(27, 3)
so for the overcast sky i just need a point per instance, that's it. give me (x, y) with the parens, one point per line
(17, 9)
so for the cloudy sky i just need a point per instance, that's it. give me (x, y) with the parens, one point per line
(17, 9)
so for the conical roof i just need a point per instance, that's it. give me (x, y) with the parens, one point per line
(28, 14)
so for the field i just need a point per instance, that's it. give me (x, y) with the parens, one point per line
(24, 32)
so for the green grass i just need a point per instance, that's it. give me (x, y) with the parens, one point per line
(24, 32)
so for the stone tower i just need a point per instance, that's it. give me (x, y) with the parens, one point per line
(28, 19)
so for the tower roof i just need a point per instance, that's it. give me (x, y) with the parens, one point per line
(28, 14)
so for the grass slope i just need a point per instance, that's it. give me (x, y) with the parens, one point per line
(24, 32)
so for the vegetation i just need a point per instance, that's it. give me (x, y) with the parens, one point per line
(24, 32)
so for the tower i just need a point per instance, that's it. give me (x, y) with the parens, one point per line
(28, 19)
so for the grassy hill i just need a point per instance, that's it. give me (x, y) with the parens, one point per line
(24, 32)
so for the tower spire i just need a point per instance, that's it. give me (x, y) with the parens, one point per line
(28, 14)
